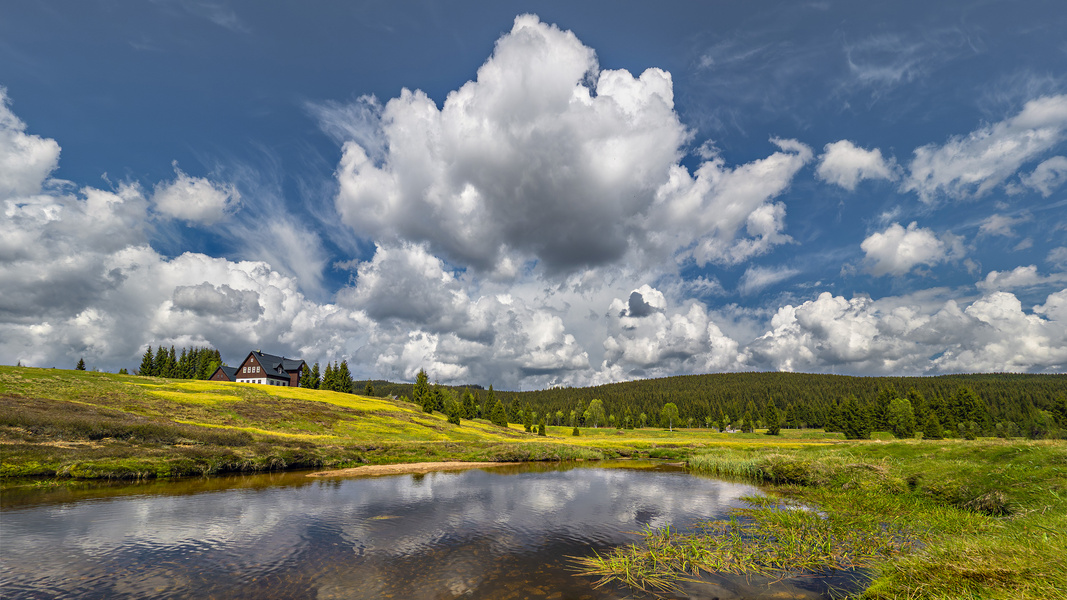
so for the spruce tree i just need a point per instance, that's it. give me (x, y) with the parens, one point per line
(771, 413)
(499, 415)
(369, 390)
(541, 430)
(123, 371)
(81, 365)
(747, 422)
(327, 377)
(420, 394)
(932, 427)
(172, 364)
(148, 367)
(159, 363)
(305, 377)
(344, 378)
(856, 419)
(470, 410)
(316, 378)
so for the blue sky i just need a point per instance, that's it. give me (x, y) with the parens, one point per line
(535, 194)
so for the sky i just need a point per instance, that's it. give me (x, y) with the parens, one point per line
(537, 194)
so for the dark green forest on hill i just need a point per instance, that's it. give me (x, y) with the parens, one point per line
(1000, 404)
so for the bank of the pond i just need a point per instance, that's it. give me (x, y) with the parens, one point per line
(930, 519)
(83, 425)
(401, 469)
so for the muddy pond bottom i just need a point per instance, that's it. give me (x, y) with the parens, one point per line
(499, 533)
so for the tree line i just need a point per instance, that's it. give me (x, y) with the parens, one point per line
(1002, 404)
(192, 363)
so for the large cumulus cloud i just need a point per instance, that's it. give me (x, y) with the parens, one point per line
(546, 157)
(915, 335)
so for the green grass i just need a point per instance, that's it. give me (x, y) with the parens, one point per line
(930, 519)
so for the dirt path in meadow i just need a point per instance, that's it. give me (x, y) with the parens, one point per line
(422, 467)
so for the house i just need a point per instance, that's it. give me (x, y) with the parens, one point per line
(265, 369)
(224, 373)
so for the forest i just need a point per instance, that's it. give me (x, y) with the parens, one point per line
(1000, 404)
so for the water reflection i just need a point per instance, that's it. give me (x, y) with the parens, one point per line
(497, 533)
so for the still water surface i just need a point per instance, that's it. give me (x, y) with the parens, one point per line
(494, 533)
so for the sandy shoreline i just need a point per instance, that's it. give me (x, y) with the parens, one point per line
(422, 467)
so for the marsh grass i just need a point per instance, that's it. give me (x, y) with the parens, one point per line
(926, 519)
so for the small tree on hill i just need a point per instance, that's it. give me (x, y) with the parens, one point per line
(669, 414)
(148, 365)
(421, 392)
(123, 371)
(541, 429)
(470, 409)
(499, 416)
(344, 378)
(316, 377)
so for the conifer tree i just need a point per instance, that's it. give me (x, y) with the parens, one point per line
(791, 420)
(856, 419)
(421, 392)
(747, 424)
(499, 416)
(327, 377)
(81, 365)
(316, 378)
(344, 378)
(159, 363)
(470, 410)
(305, 377)
(932, 427)
(123, 371)
(369, 390)
(148, 367)
(771, 413)
(172, 364)
(541, 430)
(437, 397)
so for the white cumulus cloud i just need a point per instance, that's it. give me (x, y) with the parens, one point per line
(845, 164)
(897, 250)
(1019, 277)
(547, 157)
(26, 160)
(195, 199)
(910, 335)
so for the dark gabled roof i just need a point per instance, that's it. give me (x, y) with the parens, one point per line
(229, 372)
(278, 366)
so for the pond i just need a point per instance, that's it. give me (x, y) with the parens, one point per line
(497, 533)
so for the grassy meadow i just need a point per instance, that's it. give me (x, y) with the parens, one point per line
(927, 518)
